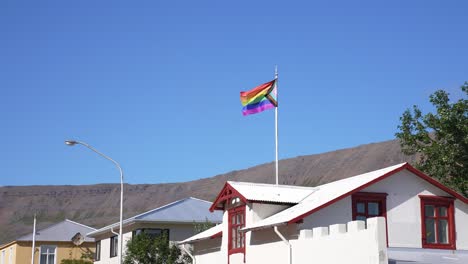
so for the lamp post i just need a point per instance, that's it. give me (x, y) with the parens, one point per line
(74, 142)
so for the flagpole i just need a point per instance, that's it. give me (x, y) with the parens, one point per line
(33, 240)
(276, 124)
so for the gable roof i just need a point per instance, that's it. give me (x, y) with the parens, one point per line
(187, 210)
(329, 193)
(260, 192)
(61, 232)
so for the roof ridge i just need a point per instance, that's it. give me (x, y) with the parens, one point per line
(71, 221)
(368, 172)
(272, 185)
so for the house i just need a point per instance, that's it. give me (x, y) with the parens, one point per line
(175, 220)
(64, 240)
(422, 221)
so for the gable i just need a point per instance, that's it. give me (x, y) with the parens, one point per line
(333, 192)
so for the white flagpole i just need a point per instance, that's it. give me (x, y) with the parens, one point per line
(276, 123)
(33, 240)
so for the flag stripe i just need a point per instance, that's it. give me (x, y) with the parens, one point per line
(261, 106)
(255, 95)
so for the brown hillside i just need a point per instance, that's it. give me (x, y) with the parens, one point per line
(98, 205)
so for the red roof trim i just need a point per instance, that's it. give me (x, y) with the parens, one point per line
(219, 234)
(222, 196)
(405, 166)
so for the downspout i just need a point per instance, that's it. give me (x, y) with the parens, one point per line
(113, 232)
(188, 253)
(285, 241)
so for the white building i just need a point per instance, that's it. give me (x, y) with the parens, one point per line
(425, 222)
(175, 220)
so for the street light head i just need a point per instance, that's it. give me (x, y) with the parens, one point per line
(70, 142)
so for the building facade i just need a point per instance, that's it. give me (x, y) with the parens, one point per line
(64, 240)
(422, 218)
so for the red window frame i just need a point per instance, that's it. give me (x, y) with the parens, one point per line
(437, 202)
(237, 236)
(367, 197)
(363, 197)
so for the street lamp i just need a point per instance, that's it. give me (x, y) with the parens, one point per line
(74, 142)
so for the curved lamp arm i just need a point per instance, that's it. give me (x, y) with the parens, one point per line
(74, 142)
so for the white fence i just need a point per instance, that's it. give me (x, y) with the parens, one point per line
(351, 243)
(343, 243)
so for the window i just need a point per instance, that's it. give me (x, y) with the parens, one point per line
(48, 254)
(152, 232)
(97, 254)
(114, 246)
(437, 222)
(236, 223)
(367, 205)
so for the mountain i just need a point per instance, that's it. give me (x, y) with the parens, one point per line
(98, 205)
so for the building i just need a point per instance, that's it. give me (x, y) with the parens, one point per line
(64, 240)
(423, 221)
(176, 220)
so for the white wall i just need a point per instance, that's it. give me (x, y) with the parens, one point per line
(352, 244)
(337, 213)
(461, 224)
(403, 211)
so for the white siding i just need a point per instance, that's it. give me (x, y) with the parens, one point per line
(403, 211)
(461, 224)
(337, 213)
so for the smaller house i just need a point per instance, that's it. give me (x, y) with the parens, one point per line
(175, 220)
(63, 240)
(410, 217)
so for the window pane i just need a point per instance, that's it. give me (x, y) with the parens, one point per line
(43, 259)
(442, 211)
(51, 259)
(442, 231)
(429, 210)
(361, 217)
(233, 237)
(233, 219)
(373, 209)
(430, 231)
(238, 217)
(360, 207)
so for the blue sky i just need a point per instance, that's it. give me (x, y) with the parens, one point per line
(155, 84)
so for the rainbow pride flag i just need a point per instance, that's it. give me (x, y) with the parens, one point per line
(259, 99)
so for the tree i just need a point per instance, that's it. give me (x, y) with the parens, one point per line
(144, 249)
(440, 139)
(200, 227)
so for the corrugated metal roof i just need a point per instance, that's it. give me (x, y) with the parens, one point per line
(272, 193)
(63, 231)
(322, 195)
(187, 210)
(215, 230)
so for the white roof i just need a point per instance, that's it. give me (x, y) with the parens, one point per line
(272, 193)
(322, 195)
(204, 235)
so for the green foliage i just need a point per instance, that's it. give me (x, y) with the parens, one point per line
(143, 249)
(440, 138)
(200, 227)
(75, 261)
